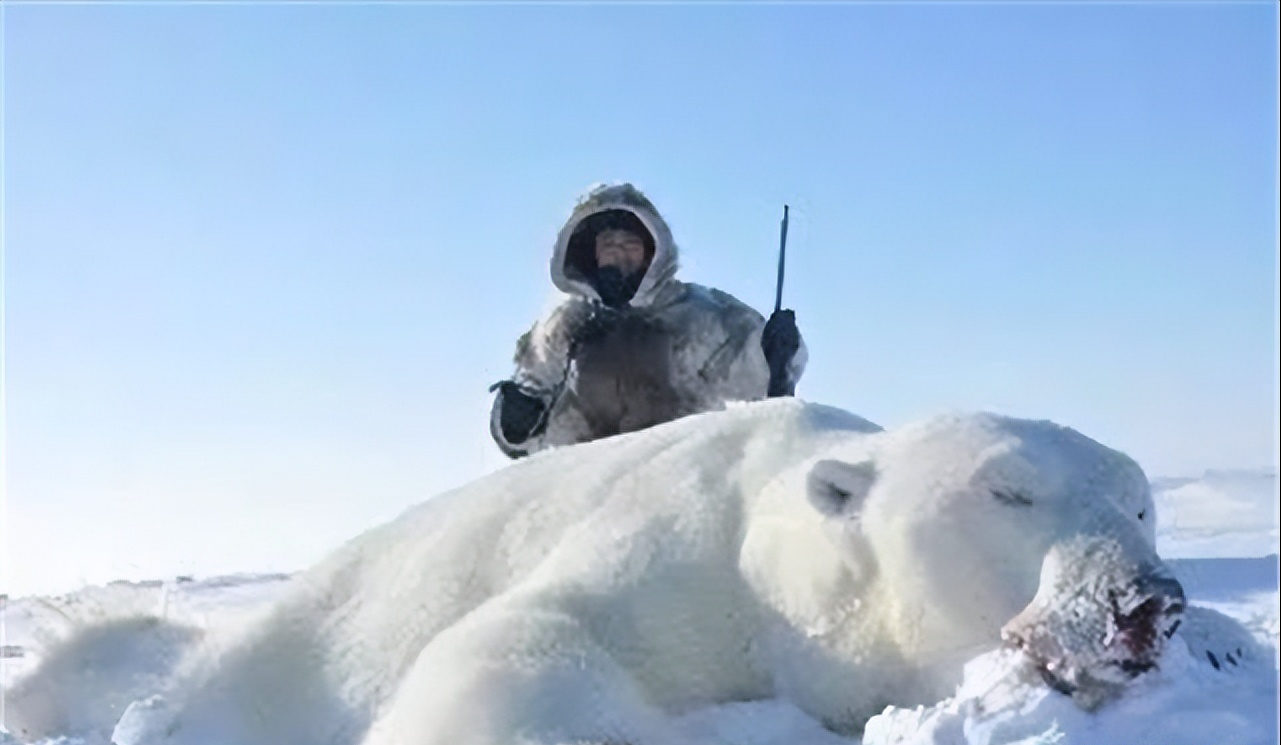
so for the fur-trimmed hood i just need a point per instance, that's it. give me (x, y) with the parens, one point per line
(661, 272)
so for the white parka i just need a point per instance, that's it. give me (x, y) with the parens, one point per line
(679, 349)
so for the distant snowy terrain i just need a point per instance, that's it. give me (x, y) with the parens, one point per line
(1218, 532)
(1221, 514)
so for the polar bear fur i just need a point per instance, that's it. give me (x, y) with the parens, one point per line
(593, 594)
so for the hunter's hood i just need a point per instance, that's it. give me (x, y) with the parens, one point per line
(574, 259)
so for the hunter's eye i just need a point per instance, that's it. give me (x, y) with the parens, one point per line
(1012, 497)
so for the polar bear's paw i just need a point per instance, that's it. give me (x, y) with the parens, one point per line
(1218, 641)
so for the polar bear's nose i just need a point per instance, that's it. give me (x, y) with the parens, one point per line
(1089, 638)
(1156, 609)
(1159, 584)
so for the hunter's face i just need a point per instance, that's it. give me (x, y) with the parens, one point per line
(622, 249)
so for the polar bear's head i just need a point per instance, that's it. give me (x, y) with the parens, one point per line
(977, 527)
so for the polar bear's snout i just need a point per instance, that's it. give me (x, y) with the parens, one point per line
(1164, 602)
(1098, 619)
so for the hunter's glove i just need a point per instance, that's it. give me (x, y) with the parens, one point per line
(522, 415)
(780, 340)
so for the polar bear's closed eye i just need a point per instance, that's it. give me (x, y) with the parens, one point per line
(837, 488)
(1012, 497)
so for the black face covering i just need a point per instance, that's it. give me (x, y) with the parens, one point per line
(615, 288)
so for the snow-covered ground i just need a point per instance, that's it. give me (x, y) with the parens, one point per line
(1218, 532)
(34, 625)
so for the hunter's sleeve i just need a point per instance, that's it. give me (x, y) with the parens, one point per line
(748, 374)
(526, 402)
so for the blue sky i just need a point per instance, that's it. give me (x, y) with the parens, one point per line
(262, 262)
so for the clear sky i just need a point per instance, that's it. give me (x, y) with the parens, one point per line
(263, 261)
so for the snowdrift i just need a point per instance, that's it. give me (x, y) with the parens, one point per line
(739, 577)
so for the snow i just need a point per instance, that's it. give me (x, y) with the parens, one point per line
(1185, 702)
(35, 626)
(139, 633)
(1218, 532)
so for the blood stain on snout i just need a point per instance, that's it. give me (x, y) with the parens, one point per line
(1137, 632)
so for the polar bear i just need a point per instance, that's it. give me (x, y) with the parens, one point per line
(596, 593)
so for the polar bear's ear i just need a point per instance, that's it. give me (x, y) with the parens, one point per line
(837, 488)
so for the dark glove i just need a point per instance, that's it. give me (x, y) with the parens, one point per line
(780, 340)
(522, 415)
